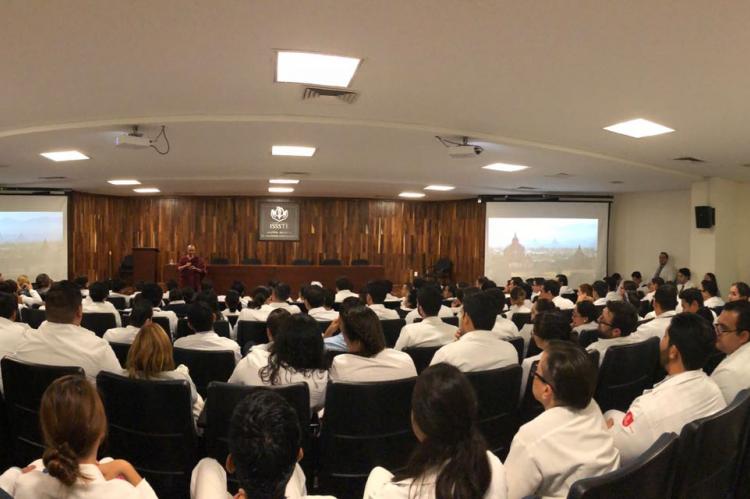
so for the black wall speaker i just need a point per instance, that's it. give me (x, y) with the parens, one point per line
(705, 217)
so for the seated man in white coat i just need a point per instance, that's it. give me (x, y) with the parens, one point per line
(665, 301)
(140, 316)
(551, 291)
(262, 470)
(319, 303)
(376, 292)
(344, 289)
(503, 326)
(733, 338)
(686, 394)
(569, 440)
(97, 303)
(201, 320)
(279, 296)
(600, 289)
(61, 341)
(618, 320)
(683, 281)
(11, 332)
(477, 347)
(153, 293)
(432, 331)
(710, 291)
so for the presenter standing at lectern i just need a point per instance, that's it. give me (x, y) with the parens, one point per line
(192, 268)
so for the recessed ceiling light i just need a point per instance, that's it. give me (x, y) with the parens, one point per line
(146, 190)
(292, 151)
(283, 181)
(65, 155)
(638, 128)
(124, 182)
(505, 167)
(412, 194)
(439, 188)
(315, 69)
(281, 189)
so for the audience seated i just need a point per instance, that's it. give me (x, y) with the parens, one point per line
(585, 292)
(526, 332)
(278, 299)
(140, 316)
(74, 426)
(11, 332)
(739, 291)
(61, 341)
(600, 289)
(295, 355)
(518, 303)
(548, 326)
(431, 331)
(562, 280)
(153, 293)
(477, 347)
(710, 292)
(116, 288)
(233, 309)
(151, 357)
(344, 289)
(376, 292)
(503, 326)
(733, 339)
(201, 319)
(584, 317)
(274, 324)
(686, 394)
(29, 296)
(333, 340)
(665, 301)
(691, 300)
(368, 359)
(264, 448)
(451, 459)
(569, 440)
(551, 291)
(618, 320)
(97, 303)
(319, 303)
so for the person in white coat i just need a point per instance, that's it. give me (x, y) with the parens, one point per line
(431, 331)
(683, 281)
(477, 347)
(376, 292)
(279, 296)
(451, 459)
(262, 470)
(319, 303)
(665, 269)
(710, 291)
(97, 303)
(140, 316)
(665, 302)
(201, 319)
(551, 291)
(618, 320)
(74, 425)
(733, 339)
(584, 317)
(569, 440)
(686, 394)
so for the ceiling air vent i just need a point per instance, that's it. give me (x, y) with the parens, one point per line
(329, 95)
(559, 175)
(295, 174)
(689, 159)
(53, 178)
(525, 188)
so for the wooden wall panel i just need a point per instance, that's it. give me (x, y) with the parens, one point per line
(403, 236)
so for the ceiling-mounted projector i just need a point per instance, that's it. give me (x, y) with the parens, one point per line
(131, 141)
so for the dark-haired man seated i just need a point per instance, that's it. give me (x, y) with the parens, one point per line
(733, 339)
(97, 303)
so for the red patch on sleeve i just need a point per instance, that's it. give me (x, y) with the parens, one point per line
(628, 419)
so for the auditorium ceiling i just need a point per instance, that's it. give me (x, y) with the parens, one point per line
(533, 83)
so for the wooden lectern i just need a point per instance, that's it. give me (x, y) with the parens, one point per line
(145, 264)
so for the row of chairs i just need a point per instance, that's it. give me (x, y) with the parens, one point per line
(221, 260)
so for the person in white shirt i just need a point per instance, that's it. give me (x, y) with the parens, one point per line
(691, 300)
(665, 302)
(477, 347)
(549, 325)
(569, 440)
(733, 339)
(296, 355)
(517, 303)
(262, 470)
(738, 291)
(61, 341)
(637, 278)
(584, 317)
(686, 394)
(551, 291)
(278, 299)
(653, 285)
(344, 289)
(97, 302)
(585, 293)
(665, 269)
(117, 285)
(29, 296)
(536, 287)
(368, 359)
(319, 303)
(618, 320)
(600, 289)
(432, 331)
(140, 316)
(451, 459)
(153, 293)
(683, 281)
(562, 279)
(376, 291)
(201, 319)
(233, 305)
(151, 357)
(504, 327)
(74, 426)
(389, 296)
(11, 332)
(612, 294)
(711, 296)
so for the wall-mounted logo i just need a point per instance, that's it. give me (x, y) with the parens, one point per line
(279, 214)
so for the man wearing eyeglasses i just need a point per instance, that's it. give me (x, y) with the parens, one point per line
(733, 338)
(617, 321)
(686, 394)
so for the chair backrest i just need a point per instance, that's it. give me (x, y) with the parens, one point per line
(164, 323)
(366, 425)
(301, 261)
(650, 476)
(391, 330)
(625, 372)
(224, 397)
(121, 351)
(713, 361)
(520, 319)
(587, 337)
(98, 322)
(570, 296)
(331, 261)
(518, 344)
(33, 317)
(151, 426)
(205, 366)
(422, 356)
(718, 310)
(323, 325)
(181, 309)
(183, 328)
(118, 301)
(24, 384)
(710, 452)
(219, 260)
(360, 261)
(530, 407)
(453, 321)
(233, 319)
(222, 328)
(392, 304)
(401, 312)
(251, 261)
(251, 331)
(497, 392)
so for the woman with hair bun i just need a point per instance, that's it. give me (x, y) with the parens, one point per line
(74, 425)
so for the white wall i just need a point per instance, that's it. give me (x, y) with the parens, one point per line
(644, 224)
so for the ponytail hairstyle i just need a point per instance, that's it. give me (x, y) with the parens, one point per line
(232, 300)
(444, 410)
(73, 424)
(260, 296)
